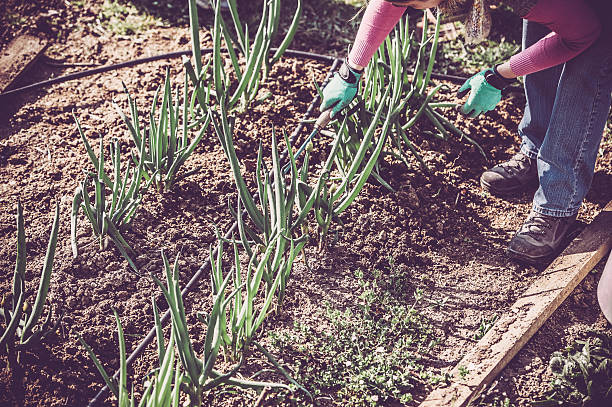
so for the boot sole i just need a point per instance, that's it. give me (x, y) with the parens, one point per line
(530, 260)
(572, 233)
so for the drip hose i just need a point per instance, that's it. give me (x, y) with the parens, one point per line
(206, 266)
(133, 62)
(177, 54)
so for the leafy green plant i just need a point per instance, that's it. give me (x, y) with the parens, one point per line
(19, 326)
(583, 374)
(485, 326)
(108, 214)
(164, 146)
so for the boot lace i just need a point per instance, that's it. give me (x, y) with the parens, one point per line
(518, 163)
(537, 225)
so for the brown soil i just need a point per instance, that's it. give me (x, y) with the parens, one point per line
(445, 235)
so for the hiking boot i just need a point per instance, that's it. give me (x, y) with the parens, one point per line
(511, 177)
(540, 237)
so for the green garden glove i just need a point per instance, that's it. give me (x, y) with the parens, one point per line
(486, 87)
(341, 89)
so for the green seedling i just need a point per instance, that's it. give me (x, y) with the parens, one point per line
(485, 326)
(109, 213)
(19, 320)
(165, 146)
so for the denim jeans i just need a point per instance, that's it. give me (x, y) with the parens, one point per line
(566, 112)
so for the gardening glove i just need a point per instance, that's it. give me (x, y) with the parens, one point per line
(341, 89)
(486, 87)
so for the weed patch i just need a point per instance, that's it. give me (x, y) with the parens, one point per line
(583, 374)
(368, 354)
(125, 19)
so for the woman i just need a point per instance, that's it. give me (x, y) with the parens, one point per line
(604, 290)
(567, 64)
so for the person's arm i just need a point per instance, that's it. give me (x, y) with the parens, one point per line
(574, 26)
(378, 20)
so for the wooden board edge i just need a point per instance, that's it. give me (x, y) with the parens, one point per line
(527, 315)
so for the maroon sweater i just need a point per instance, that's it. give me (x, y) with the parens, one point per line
(573, 23)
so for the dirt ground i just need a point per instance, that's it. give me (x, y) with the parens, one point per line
(442, 232)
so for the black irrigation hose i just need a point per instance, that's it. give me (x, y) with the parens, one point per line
(176, 54)
(89, 72)
(133, 62)
(205, 267)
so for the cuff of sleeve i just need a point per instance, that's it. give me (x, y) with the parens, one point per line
(360, 54)
(521, 64)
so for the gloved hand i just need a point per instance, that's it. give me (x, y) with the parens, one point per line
(341, 89)
(486, 87)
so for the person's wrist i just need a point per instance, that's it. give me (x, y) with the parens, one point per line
(348, 74)
(495, 79)
(355, 67)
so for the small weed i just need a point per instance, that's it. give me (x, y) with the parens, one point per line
(125, 19)
(77, 3)
(463, 372)
(15, 20)
(485, 326)
(439, 304)
(365, 356)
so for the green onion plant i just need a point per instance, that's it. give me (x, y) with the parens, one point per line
(163, 385)
(412, 99)
(165, 145)
(200, 374)
(251, 59)
(247, 310)
(114, 201)
(19, 321)
(280, 207)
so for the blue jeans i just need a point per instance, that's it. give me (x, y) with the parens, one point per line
(566, 112)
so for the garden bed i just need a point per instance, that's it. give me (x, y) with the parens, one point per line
(438, 235)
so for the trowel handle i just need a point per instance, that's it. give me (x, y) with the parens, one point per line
(324, 119)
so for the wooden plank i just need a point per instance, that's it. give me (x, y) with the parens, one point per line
(497, 348)
(18, 57)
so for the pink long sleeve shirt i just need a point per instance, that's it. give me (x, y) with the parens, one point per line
(574, 27)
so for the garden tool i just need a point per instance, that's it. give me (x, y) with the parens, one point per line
(322, 121)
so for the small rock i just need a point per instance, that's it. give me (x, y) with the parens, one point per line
(412, 198)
